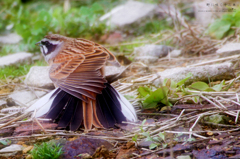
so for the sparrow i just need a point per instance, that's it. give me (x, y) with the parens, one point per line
(82, 95)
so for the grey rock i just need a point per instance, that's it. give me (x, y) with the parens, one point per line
(10, 38)
(112, 73)
(145, 144)
(11, 150)
(38, 76)
(153, 50)
(147, 59)
(11, 102)
(128, 13)
(200, 73)
(83, 145)
(229, 49)
(183, 157)
(25, 96)
(175, 53)
(15, 58)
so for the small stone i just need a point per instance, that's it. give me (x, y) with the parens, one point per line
(184, 157)
(83, 145)
(38, 76)
(147, 59)
(27, 149)
(153, 50)
(128, 13)
(11, 102)
(25, 96)
(112, 73)
(10, 38)
(12, 148)
(229, 49)
(175, 53)
(145, 144)
(14, 59)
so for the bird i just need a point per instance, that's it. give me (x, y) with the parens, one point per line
(83, 96)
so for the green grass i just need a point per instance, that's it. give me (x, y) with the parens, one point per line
(47, 150)
(18, 70)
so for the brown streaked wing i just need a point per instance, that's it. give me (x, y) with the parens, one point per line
(62, 69)
(77, 68)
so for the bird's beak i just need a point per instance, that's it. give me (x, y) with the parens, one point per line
(38, 43)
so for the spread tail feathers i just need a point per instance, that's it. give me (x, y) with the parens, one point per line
(108, 109)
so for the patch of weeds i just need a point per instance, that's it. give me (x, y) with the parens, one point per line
(13, 48)
(157, 141)
(223, 26)
(34, 22)
(5, 142)
(47, 150)
(184, 139)
(152, 26)
(170, 92)
(18, 70)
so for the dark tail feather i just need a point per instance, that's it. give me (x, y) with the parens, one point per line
(108, 109)
(69, 110)
(58, 104)
(77, 117)
(102, 104)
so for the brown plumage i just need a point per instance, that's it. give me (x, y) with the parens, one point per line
(84, 96)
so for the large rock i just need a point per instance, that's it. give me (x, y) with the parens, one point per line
(14, 59)
(229, 49)
(112, 73)
(128, 13)
(10, 38)
(153, 50)
(83, 145)
(38, 76)
(25, 96)
(221, 71)
(151, 53)
(146, 59)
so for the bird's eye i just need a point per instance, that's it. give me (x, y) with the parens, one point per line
(45, 43)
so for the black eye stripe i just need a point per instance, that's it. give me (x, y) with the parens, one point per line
(45, 43)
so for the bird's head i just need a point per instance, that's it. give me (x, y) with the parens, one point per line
(50, 45)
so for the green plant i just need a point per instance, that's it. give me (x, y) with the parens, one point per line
(47, 150)
(18, 70)
(5, 142)
(171, 91)
(223, 26)
(34, 20)
(157, 141)
(184, 139)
